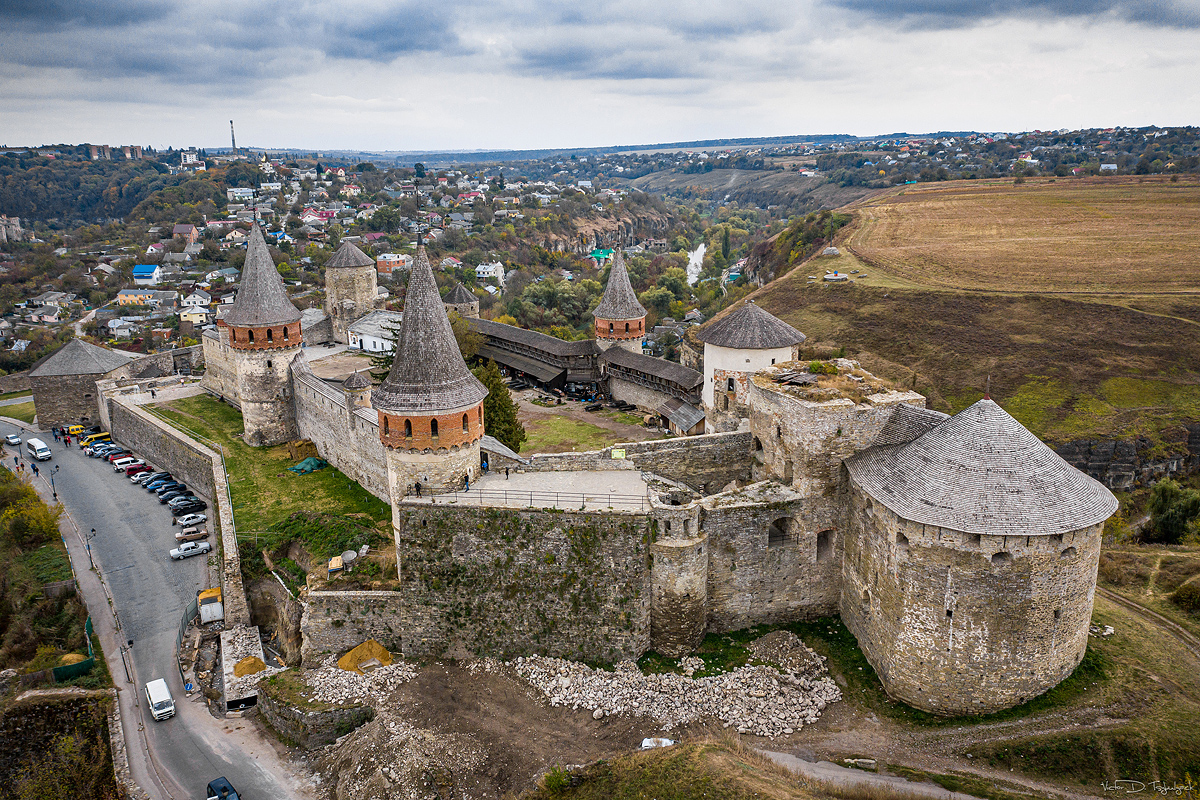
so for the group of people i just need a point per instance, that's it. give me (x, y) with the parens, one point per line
(61, 435)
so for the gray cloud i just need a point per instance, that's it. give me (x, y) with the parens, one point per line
(57, 14)
(963, 13)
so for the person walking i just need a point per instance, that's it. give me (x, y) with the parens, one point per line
(35, 469)
(506, 473)
(418, 488)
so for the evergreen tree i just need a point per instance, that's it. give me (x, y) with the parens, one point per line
(499, 411)
(381, 363)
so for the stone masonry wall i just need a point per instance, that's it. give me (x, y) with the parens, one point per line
(334, 622)
(646, 399)
(220, 373)
(508, 583)
(265, 395)
(705, 463)
(65, 399)
(757, 574)
(962, 624)
(348, 440)
(679, 579)
(309, 728)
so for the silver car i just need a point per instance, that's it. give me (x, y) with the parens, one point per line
(190, 549)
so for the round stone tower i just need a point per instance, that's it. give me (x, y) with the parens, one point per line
(351, 288)
(430, 406)
(620, 318)
(264, 336)
(970, 563)
(462, 302)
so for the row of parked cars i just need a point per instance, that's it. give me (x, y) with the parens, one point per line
(186, 509)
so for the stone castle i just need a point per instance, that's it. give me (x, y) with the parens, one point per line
(960, 551)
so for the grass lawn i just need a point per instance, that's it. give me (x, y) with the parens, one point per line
(21, 411)
(13, 395)
(264, 492)
(562, 434)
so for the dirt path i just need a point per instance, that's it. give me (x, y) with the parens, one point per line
(528, 412)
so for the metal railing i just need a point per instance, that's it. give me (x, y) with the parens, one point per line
(536, 499)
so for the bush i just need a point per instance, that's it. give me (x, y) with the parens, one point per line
(822, 368)
(1187, 597)
(1172, 508)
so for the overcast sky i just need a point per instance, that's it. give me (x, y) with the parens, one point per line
(383, 75)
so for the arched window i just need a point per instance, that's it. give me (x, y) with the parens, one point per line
(385, 426)
(269, 338)
(627, 327)
(465, 423)
(268, 363)
(433, 427)
(251, 335)
(285, 335)
(407, 429)
(729, 385)
(610, 327)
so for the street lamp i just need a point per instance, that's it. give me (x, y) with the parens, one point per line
(89, 548)
(52, 489)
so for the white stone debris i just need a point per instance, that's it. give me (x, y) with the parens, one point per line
(329, 683)
(758, 700)
(1105, 630)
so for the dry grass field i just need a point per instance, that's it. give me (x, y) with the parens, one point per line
(1103, 235)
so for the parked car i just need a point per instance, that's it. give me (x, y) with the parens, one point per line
(119, 464)
(142, 477)
(192, 534)
(221, 789)
(190, 549)
(13, 439)
(154, 486)
(156, 476)
(113, 455)
(137, 469)
(182, 499)
(166, 487)
(188, 509)
(95, 450)
(174, 494)
(187, 520)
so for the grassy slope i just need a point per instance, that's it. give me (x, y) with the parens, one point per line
(1069, 367)
(21, 411)
(264, 492)
(559, 434)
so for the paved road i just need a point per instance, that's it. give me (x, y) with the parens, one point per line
(150, 592)
(12, 401)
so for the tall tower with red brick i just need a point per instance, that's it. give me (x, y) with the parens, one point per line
(430, 406)
(263, 329)
(620, 318)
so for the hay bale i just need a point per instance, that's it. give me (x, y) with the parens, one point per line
(248, 666)
(71, 658)
(365, 657)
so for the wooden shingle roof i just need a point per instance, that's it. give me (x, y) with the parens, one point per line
(428, 374)
(750, 328)
(460, 294)
(619, 301)
(349, 256)
(78, 357)
(261, 299)
(982, 472)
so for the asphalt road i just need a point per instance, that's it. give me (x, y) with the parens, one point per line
(150, 591)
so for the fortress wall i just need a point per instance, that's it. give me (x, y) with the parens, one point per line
(952, 630)
(645, 398)
(265, 394)
(220, 375)
(349, 441)
(334, 622)
(679, 580)
(509, 583)
(705, 463)
(754, 580)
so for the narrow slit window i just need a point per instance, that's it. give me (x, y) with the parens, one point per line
(408, 429)
(433, 427)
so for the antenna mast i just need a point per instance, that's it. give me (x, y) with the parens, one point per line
(232, 138)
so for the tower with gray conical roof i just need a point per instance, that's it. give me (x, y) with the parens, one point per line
(263, 333)
(462, 302)
(351, 288)
(430, 406)
(620, 318)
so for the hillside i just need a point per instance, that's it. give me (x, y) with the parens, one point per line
(791, 190)
(1070, 366)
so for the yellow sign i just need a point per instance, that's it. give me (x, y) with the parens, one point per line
(618, 453)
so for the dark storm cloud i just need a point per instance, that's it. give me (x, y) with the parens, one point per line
(965, 13)
(56, 14)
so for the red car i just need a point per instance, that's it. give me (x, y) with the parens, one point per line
(135, 469)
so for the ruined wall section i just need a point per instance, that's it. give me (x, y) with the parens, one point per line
(678, 577)
(509, 583)
(348, 439)
(334, 622)
(958, 623)
(773, 557)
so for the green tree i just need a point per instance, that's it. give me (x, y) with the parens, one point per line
(499, 411)
(658, 299)
(1172, 508)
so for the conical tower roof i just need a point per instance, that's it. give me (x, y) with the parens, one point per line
(356, 380)
(428, 374)
(619, 301)
(460, 294)
(982, 472)
(261, 299)
(348, 255)
(750, 328)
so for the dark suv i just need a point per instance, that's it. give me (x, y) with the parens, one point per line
(221, 789)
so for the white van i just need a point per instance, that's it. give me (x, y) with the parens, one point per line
(37, 449)
(162, 705)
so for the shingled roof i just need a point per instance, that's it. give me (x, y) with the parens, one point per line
(78, 357)
(678, 374)
(349, 256)
(460, 294)
(356, 380)
(619, 301)
(428, 374)
(261, 299)
(750, 328)
(982, 472)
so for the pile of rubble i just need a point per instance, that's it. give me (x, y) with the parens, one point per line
(329, 683)
(758, 700)
(784, 649)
